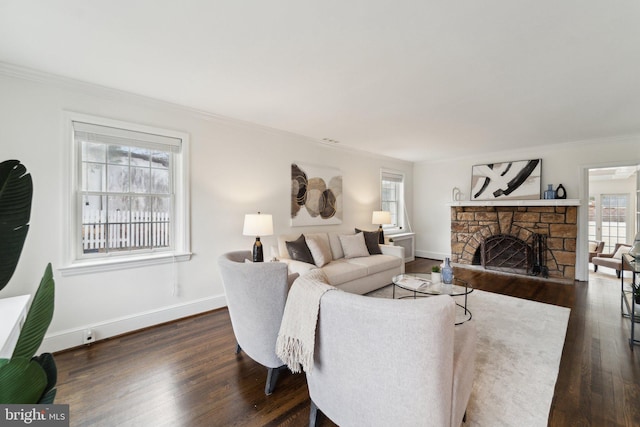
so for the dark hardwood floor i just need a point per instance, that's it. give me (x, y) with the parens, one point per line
(185, 373)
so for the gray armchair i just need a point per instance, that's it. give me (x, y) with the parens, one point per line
(256, 294)
(384, 362)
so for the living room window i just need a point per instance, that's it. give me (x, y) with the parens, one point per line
(128, 198)
(392, 198)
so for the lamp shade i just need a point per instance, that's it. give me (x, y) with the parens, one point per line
(635, 249)
(381, 217)
(258, 225)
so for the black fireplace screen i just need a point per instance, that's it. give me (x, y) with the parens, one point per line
(507, 253)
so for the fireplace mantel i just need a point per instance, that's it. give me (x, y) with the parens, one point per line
(532, 202)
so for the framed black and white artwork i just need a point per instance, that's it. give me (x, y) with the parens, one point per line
(507, 180)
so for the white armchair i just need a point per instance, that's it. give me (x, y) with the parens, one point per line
(383, 362)
(256, 294)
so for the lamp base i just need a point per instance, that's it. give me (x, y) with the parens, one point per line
(257, 251)
(380, 236)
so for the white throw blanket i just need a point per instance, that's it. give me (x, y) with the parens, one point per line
(297, 336)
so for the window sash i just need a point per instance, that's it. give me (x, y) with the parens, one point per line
(124, 231)
(392, 197)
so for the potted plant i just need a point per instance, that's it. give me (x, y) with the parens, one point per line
(435, 274)
(24, 378)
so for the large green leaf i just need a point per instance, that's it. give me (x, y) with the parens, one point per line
(16, 192)
(38, 318)
(22, 381)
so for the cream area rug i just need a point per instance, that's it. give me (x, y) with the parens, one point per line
(518, 355)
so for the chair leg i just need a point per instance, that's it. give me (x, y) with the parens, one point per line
(238, 348)
(464, 417)
(313, 414)
(595, 268)
(618, 274)
(272, 379)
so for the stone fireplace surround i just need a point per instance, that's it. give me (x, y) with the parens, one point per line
(472, 222)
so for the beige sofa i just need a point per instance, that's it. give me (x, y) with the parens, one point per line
(351, 274)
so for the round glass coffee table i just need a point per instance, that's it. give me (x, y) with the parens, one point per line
(420, 285)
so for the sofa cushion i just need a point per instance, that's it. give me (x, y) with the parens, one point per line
(354, 245)
(372, 240)
(320, 250)
(298, 267)
(299, 251)
(377, 263)
(621, 251)
(341, 271)
(592, 246)
(335, 245)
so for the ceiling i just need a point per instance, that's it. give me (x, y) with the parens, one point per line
(413, 79)
(613, 173)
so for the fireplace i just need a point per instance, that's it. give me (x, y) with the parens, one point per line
(506, 253)
(533, 239)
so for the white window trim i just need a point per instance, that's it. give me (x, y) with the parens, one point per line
(400, 227)
(73, 263)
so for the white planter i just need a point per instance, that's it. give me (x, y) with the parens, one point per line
(435, 277)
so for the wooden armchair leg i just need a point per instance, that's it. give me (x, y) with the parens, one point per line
(238, 348)
(272, 379)
(313, 414)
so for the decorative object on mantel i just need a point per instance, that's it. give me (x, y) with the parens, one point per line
(550, 193)
(508, 180)
(447, 272)
(316, 195)
(558, 194)
(456, 195)
(258, 225)
(380, 218)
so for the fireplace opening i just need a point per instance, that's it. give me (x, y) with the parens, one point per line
(504, 252)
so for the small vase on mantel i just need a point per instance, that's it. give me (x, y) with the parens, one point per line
(447, 272)
(550, 193)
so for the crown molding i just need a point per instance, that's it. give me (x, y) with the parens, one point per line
(24, 73)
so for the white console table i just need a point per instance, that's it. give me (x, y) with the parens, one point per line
(13, 312)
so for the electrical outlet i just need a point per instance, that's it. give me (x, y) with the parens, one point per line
(88, 336)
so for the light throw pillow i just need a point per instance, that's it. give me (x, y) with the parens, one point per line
(592, 246)
(320, 251)
(372, 239)
(353, 245)
(299, 251)
(621, 251)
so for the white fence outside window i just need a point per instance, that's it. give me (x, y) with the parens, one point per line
(113, 231)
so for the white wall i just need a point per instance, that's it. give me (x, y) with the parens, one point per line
(236, 168)
(564, 164)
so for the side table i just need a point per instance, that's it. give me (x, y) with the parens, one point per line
(13, 312)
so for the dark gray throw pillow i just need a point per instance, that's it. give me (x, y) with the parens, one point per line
(299, 251)
(371, 239)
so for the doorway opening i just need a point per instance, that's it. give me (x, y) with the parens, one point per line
(614, 205)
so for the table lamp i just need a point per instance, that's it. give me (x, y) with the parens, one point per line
(258, 225)
(381, 217)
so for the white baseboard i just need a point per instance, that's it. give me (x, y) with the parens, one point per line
(70, 338)
(431, 255)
